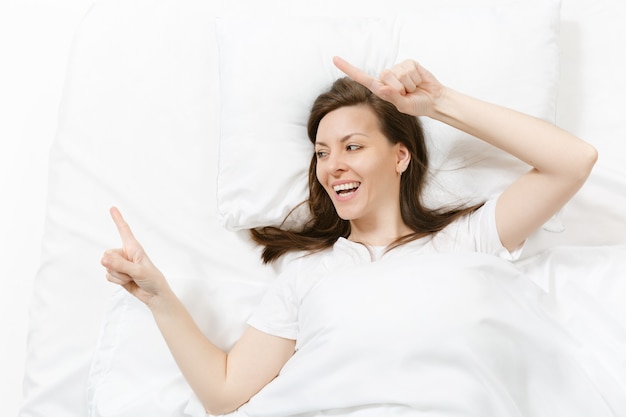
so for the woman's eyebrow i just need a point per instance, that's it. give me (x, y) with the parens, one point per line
(343, 139)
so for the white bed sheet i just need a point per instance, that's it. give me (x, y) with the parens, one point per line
(138, 129)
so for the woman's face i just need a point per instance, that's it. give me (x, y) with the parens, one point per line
(358, 166)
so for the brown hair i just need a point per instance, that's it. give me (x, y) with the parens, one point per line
(325, 225)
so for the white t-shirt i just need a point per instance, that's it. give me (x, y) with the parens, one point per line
(277, 313)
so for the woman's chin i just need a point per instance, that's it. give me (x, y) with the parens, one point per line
(348, 215)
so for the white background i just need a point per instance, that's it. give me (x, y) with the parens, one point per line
(35, 40)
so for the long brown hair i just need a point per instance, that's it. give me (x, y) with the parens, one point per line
(325, 226)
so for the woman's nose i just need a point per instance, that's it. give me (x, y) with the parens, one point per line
(336, 163)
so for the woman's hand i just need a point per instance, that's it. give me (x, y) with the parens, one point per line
(407, 85)
(130, 267)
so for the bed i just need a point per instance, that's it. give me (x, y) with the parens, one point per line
(182, 114)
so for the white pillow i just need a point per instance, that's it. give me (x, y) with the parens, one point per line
(271, 70)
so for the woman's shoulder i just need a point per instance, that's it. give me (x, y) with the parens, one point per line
(300, 261)
(475, 232)
(342, 253)
(460, 235)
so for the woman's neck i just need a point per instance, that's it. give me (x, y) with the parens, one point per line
(380, 233)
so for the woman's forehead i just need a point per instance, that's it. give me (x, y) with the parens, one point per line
(347, 121)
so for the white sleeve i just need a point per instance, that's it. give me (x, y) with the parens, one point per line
(478, 232)
(277, 313)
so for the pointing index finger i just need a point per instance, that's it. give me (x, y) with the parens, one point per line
(356, 74)
(122, 227)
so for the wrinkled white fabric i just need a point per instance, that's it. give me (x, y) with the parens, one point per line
(437, 327)
(443, 326)
(434, 334)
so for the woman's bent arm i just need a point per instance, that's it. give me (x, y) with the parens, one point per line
(561, 162)
(221, 381)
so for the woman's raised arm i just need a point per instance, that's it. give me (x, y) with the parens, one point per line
(560, 161)
(222, 381)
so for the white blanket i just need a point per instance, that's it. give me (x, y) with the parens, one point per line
(439, 336)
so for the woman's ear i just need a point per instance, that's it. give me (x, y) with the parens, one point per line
(403, 157)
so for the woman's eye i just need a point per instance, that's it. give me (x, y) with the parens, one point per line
(320, 154)
(353, 147)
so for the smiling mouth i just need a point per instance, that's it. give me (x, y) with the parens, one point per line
(347, 188)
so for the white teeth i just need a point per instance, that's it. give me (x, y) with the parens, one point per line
(346, 186)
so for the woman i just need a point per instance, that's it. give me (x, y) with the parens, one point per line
(372, 175)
